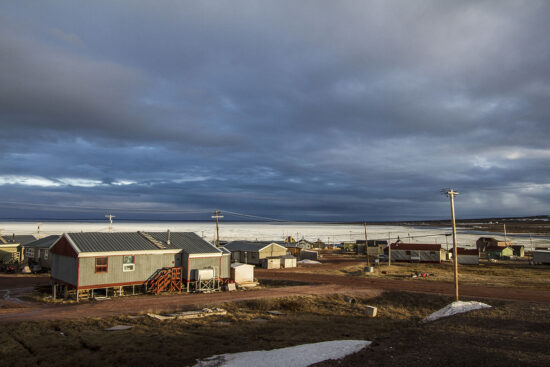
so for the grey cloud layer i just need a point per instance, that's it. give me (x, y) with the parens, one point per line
(305, 110)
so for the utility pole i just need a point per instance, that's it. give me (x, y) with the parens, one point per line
(505, 238)
(531, 240)
(389, 249)
(367, 245)
(217, 216)
(451, 194)
(38, 233)
(110, 217)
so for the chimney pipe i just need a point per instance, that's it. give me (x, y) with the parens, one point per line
(168, 241)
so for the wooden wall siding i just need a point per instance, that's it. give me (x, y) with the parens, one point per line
(7, 253)
(425, 256)
(145, 267)
(203, 263)
(65, 268)
(226, 266)
(272, 251)
(63, 247)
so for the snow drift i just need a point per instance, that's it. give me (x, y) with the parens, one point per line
(455, 308)
(298, 356)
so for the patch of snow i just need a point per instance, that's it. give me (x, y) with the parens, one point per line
(455, 308)
(298, 356)
(308, 261)
(119, 327)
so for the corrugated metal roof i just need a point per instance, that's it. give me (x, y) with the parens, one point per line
(248, 245)
(133, 241)
(416, 246)
(22, 239)
(107, 242)
(190, 242)
(45, 242)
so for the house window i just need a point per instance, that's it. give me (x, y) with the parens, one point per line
(29, 252)
(46, 254)
(408, 252)
(432, 252)
(101, 264)
(128, 263)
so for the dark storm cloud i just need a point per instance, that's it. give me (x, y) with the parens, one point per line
(303, 110)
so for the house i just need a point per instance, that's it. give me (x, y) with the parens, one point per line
(252, 252)
(12, 248)
(483, 242)
(348, 246)
(154, 260)
(541, 255)
(319, 244)
(305, 244)
(38, 252)
(467, 256)
(374, 247)
(499, 252)
(416, 252)
(293, 250)
(519, 250)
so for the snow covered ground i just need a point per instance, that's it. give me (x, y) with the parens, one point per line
(455, 308)
(332, 233)
(298, 356)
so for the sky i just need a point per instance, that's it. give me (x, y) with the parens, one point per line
(298, 110)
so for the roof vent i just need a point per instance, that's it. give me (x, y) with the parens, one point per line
(150, 238)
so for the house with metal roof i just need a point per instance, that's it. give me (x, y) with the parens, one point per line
(467, 256)
(154, 260)
(12, 248)
(252, 252)
(416, 252)
(38, 251)
(499, 252)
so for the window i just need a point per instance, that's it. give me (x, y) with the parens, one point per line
(101, 264)
(432, 252)
(128, 263)
(29, 252)
(46, 254)
(408, 252)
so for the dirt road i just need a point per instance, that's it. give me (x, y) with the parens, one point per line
(416, 285)
(32, 311)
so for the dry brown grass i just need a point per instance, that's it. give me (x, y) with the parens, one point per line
(304, 320)
(502, 274)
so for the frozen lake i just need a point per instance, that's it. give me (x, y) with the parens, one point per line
(332, 233)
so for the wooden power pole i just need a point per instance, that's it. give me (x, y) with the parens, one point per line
(217, 216)
(110, 217)
(451, 194)
(367, 245)
(389, 249)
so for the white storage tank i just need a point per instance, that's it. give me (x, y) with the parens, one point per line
(204, 274)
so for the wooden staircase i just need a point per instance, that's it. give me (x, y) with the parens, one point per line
(166, 280)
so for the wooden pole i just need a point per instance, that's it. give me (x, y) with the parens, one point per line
(452, 194)
(389, 249)
(367, 245)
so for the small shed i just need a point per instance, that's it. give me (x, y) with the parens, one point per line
(242, 273)
(498, 252)
(309, 254)
(541, 256)
(271, 263)
(519, 250)
(288, 261)
(467, 256)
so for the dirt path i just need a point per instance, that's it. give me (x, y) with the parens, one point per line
(417, 285)
(165, 303)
